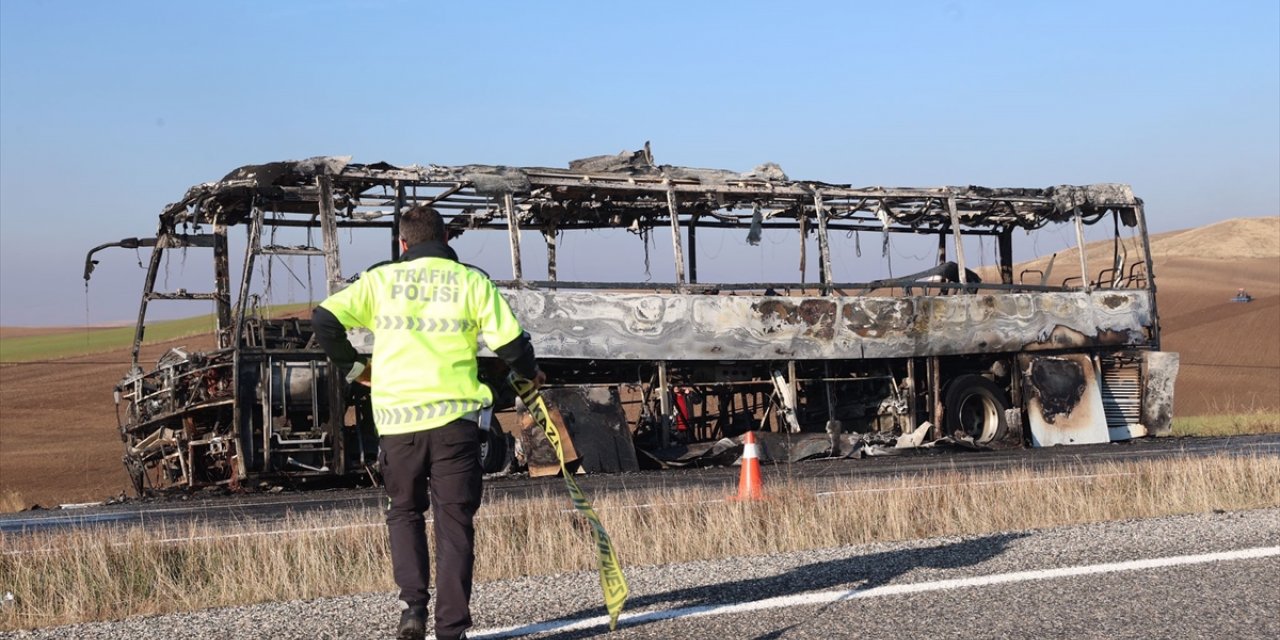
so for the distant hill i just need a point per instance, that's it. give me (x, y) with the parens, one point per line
(1232, 239)
(1229, 240)
(1230, 351)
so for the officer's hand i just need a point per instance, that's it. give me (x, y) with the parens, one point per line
(539, 379)
(360, 372)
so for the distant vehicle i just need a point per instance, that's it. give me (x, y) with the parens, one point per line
(650, 372)
(1242, 296)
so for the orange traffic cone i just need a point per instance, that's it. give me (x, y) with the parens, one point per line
(749, 486)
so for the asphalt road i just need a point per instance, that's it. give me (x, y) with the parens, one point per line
(1198, 576)
(266, 508)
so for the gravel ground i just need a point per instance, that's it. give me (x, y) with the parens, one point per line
(1239, 599)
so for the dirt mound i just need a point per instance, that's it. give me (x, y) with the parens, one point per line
(1234, 239)
(1230, 240)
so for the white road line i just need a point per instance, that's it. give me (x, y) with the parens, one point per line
(826, 597)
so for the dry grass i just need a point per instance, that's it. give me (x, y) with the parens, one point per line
(11, 501)
(71, 577)
(83, 575)
(1228, 419)
(691, 525)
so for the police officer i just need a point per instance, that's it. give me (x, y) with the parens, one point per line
(426, 311)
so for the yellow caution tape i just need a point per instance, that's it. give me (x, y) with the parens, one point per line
(611, 579)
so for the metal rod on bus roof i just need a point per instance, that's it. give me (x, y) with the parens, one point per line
(549, 235)
(395, 221)
(1006, 255)
(824, 249)
(959, 239)
(1117, 261)
(140, 329)
(252, 248)
(1140, 212)
(1084, 267)
(446, 193)
(222, 282)
(329, 231)
(675, 232)
(513, 229)
(693, 247)
(804, 240)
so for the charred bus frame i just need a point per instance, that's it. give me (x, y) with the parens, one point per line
(673, 366)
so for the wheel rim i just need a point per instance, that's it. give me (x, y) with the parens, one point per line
(979, 417)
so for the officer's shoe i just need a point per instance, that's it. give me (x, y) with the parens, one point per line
(413, 623)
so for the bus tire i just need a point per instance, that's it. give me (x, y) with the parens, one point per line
(974, 407)
(495, 449)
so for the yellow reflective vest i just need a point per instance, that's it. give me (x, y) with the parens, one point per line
(425, 315)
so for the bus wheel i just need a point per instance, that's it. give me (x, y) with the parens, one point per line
(495, 452)
(974, 406)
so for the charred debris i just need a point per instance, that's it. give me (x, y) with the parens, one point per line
(658, 374)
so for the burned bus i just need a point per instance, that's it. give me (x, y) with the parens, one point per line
(662, 365)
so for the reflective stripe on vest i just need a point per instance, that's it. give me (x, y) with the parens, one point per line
(427, 325)
(446, 408)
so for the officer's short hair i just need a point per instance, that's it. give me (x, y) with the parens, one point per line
(421, 224)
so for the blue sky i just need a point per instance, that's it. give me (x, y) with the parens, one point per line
(110, 110)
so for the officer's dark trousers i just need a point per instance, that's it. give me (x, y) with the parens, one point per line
(444, 462)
